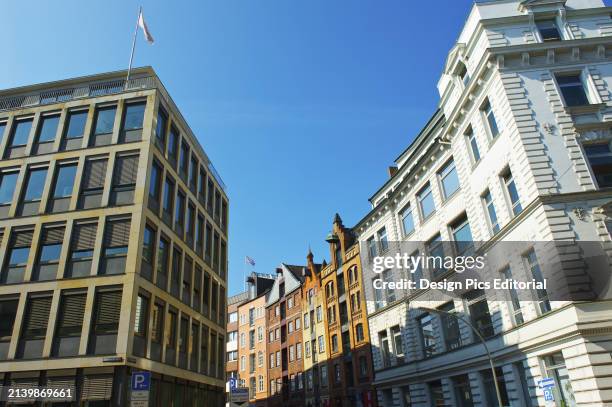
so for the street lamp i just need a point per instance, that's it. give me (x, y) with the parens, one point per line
(482, 339)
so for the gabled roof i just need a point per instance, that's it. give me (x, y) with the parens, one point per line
(292, 277)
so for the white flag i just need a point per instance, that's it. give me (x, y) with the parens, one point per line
(145, 29)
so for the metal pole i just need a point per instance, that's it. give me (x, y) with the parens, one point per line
(482, 339)
(127, 79)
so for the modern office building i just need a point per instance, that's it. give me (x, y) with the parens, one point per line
(113, 247)
(519, 151)
(349, 360)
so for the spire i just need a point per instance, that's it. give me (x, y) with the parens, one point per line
(337, 219)
(309, 256)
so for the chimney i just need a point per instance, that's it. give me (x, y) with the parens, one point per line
(392, 170)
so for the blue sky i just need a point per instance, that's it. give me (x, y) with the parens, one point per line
(301, 105)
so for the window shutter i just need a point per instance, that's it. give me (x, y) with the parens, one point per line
(84, 236)
(23, 238)
(126, 169)
(73, 309)
(109, 307)
(94, 174)
(53, 236)
(97, 387)
(61, 382)
(37, 316)
(117, 233)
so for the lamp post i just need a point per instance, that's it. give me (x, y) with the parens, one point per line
(482, 339)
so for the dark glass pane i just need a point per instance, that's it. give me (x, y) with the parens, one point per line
(19, 256)
(36, 184)
(134, 115)
(48, 129)
(7, 187)
(21, 132)
(65, 181)
(50, 252)
(76, 124)
(105, 119)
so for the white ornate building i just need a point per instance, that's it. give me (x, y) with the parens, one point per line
(519, 150)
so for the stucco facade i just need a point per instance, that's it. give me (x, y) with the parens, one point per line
(519, 148)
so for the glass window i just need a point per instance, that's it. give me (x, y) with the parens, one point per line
(515, 203)
(426, 201)
(427, 335)
(473, 143)
(572, 89)
(435, 249)
(449, 179)
(105, 120)
(2, 129)
(600, 159)
(76, 124)
(35, 184)
(48, 128)
(536, 272)
(398, 347)
(154, 181)
(168, 194)
(548, 30)
(148, 244)
(487, 200)
(8, 181)
(21, 132)
(462, 235)
(478, 309)
(450, 326)
(173, 143)
(133, 116)
(515, 306)
(556, 369)
(487, 110)
(160, 129)
(462, 73)
(64, 182)
(383, 241)
(407, 220)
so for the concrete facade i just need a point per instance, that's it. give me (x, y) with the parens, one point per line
(522, 144)
(89, 293)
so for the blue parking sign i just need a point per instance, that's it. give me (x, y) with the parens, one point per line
(548, 395)
(141, 381)
(233, 383)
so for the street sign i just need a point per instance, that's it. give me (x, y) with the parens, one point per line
(546, 383)
(233, 383)
(548, 394)
(239, 395)
(140, 386)
(141, 381)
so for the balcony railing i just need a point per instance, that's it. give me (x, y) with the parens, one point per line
(78, 92)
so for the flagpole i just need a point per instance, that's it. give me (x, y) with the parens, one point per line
(127, 79)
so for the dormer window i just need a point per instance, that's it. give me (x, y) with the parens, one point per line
(462, 73)
(548, 30)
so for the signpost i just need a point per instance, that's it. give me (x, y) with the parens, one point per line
(239, 395)
(141, 387)
(547, 385)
